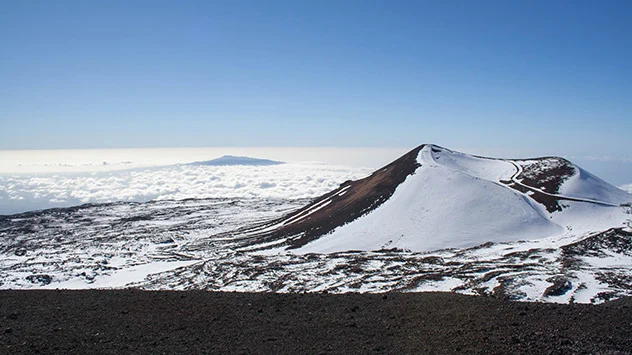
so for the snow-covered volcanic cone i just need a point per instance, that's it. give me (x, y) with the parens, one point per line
(433, 198)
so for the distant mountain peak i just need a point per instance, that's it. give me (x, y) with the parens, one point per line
(229, 160)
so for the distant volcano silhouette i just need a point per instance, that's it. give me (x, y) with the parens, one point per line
(228, 160)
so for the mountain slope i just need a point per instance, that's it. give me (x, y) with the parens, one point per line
(434, 198)
(173, 245)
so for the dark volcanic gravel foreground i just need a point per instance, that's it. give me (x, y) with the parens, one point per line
(132, 321)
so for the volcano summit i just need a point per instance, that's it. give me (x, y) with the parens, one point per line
(435, 198)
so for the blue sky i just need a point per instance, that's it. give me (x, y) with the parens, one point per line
(543, 77)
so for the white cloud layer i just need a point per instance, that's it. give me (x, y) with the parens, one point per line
(102, 160)
(19, 193)
(627, 188)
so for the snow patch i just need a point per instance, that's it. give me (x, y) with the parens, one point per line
(585, 185)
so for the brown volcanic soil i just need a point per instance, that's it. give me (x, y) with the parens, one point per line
(132, 321)
(361, 197)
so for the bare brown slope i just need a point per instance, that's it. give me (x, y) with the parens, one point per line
(546, 174)
(361, 196)
(542, 178)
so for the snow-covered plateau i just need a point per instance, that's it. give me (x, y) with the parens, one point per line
(434, 220)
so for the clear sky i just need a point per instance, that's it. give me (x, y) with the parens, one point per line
(549, 77)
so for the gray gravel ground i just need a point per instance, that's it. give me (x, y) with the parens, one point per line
(196, 322)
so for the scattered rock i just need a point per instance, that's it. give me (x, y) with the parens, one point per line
(560, 286)
(41, 279)
(20, 252)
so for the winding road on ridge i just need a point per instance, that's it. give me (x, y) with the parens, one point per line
(519, 171)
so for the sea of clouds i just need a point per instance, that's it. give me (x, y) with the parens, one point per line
(20, 193)
(35, 180)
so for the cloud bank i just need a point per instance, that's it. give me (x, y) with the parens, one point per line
(20, 193)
